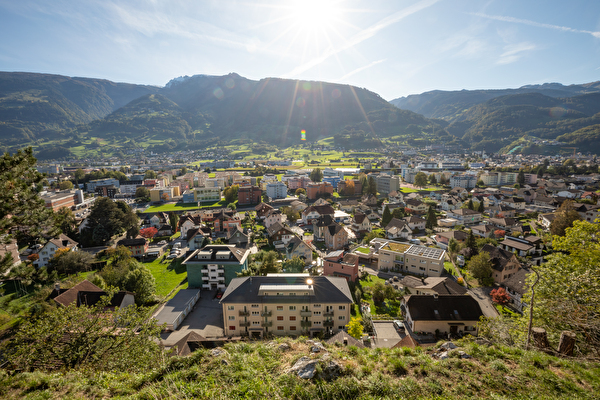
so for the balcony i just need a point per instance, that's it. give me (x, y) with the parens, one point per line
(328, 314)
(266, 313)
(242, 313)
(305, 324)
(244, 324)
(328, 323)
(306, 313)
(267, 324)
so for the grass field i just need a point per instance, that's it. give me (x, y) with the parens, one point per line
(168, 275)
(183, 207)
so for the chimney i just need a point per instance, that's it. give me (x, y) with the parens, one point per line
(435, 296)
(345, 341)
(57, 286)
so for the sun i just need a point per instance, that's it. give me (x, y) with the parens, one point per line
(315, 14)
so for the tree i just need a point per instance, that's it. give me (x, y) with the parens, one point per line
(386, 217)
(431, 218)
(232, 206)
(183, 170)
(521, 178)
(399, 212)
(499, 296)
(355, 327)
(150, 174)
(173, 221)
(499, 233)
(231, 193)
(480, 207)
(470, 205)
(375, 233)
(21, 207)
(142, 193)
(92, 338)
(316, 175)
(453, 246)
(294, 265)
(480, 266)
(371, 186)
(71, 262)
(421, 179)
(567, 296)
(148, 233)
(565, 217)
(349, 188)
(65, 185)
(64, 220)
(471, 243)
(432, 179)
(300, 191)
(79, 174)
(165, 197)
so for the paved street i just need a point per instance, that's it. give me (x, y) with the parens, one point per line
(484, 300)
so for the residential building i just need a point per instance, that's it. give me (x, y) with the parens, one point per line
(530, 246)
(516, 286)
(504, 263)
(91, 185)
(296, 247)
(315, 189)
(341, 187)
(312, 213)
(398, 229)
(415, 206)
(286, 304)
(463, 181)
(212, 194)
(224, 221)
(336, 263)
(128, 188)
(448, 314)
(107, 191)
(424, 260)
(387, 183)
(276, 190)
(360, 223)
(465, 216)
(432, 286)
(415, 222)
(214, 266)
(336, 237)
(47, 252)
(58, 200)
(137, 246)
(249, 195)
(443, 238)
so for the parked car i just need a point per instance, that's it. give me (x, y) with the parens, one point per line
(399, 325)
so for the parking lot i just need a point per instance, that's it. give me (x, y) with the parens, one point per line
(206, 319)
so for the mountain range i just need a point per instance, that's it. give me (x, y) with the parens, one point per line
(57, 114)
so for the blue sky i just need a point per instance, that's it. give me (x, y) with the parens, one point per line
(392, 47)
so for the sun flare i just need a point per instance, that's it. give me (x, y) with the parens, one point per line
(315, 14)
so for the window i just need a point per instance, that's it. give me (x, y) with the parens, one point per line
(292, 308)
(232, 327)
(255, 323)
(342, 307)
(317, 323)
(280, 318)
(341, 327)
(279, 308)
(342, 317)
(254, 305)
(255, 313)
(230, 308)
(292, 318)
(433, 270)
(232, 317)
(422, 269)
(292, 294)
(317, 306)
(316, 312)
(292, 328)
(280, 328)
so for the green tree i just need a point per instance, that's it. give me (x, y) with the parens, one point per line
(386, 217)
(565, 217)
(231, 193)
(371, 186)
(92, 338)
(431, 218)
(399, 212)
(71, 262)
(480, 207)
(183, 171)
(79, 174)
(453, 247)
(432, 179)
(567, 296)
(65, 185)
(294, 265)
(316, 175)
(470, 205)
(480, 267)
(106, 219)
(150, 174)
(421, 179)
(20, 205)
(355, 327)
(64, 220)
(300, 191)
(521, 178)
(142, 193)
(173, 220)
(375, 233)
(471, 243)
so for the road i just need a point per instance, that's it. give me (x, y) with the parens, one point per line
(484, 300)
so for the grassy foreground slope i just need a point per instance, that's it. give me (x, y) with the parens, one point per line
(258, 371)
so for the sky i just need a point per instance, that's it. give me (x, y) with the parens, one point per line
(392, 47)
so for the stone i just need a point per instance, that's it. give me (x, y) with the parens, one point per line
(449, 346)
(482, 341)
(218, 352)
(443, 355)
(306, 368)
(284, 347)
(463, 354)
(224, 361)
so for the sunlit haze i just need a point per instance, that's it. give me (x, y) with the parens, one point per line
(394, 48)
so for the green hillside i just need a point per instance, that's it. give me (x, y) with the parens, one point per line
(261, 371)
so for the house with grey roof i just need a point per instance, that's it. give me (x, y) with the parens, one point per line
(286, 305)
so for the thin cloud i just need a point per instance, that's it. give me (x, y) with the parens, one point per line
(360, 69)
(536, 24)
(513, 52)
(362, 36)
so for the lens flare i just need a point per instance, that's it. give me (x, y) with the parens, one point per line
(302, 134)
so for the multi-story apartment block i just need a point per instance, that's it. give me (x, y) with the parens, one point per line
(286, 304)
(415, 259)
(207, 194)
(463, 181)
(313, 190)
(214, 266)
(249, 195)
(58, 200)
(387, 183)
(49, 250)
(276, 190)
(128, 188)
(91, 185)
(505, 178)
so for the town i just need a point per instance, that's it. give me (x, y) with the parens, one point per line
(395, 251)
